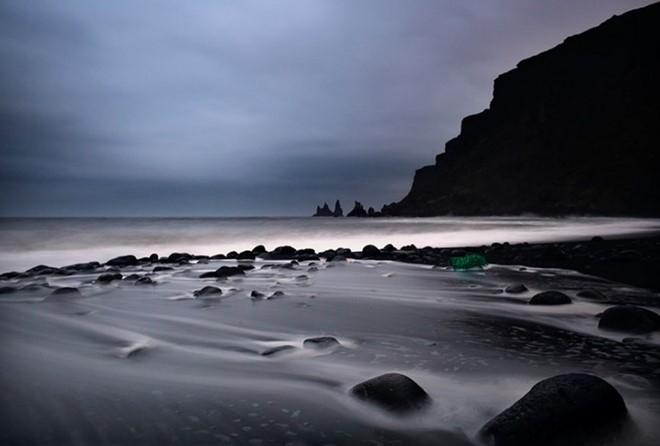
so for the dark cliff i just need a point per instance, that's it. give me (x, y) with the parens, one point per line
(573, 130)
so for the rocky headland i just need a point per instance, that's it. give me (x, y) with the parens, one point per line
(572, 130)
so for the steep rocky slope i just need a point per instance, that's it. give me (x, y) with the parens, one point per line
(575, 129)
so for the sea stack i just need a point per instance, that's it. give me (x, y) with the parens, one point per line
(323, 211)
(338, 212)
(358, 210)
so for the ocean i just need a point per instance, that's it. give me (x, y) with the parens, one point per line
(87, 361)
(26, 242)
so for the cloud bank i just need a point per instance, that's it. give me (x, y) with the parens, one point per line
(248, 107)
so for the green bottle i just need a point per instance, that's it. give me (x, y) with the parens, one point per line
(468, 261)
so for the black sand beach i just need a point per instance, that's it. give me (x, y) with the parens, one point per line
(266, 346)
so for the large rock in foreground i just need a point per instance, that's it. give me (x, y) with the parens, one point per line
(573, 409)
(393, 392)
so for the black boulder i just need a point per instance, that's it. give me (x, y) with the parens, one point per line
(393, 392)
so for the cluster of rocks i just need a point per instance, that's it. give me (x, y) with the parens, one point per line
(617, 258)
(357, 211)
(564, 408)
(573, 408)
(631, 261)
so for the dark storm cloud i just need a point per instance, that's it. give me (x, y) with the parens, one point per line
(248, 107)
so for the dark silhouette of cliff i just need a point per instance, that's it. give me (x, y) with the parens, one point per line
(573, 130)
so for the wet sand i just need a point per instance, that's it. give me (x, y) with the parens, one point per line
(153, 364)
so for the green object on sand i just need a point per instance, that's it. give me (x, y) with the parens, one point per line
(468, 261)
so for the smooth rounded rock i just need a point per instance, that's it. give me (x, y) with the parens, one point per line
(145, 281)
(629, 318)
(162, 268)
(246, 255)
(516, 288)
(178, 257)
(370, 251)
(393, 392)
(254, 294)
(120, 261)
(259, 249)
(550, 298)
(283, 252)
(108, 277)
(208, 291)
(225, 271)
(573, 409)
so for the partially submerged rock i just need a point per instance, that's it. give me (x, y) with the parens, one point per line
(566, 409)
(145, 281)
(256, 295)
(224, 271)
(162, 268)
(275, 351)
(629, 318)
(208, 291)
(108, 277)
(66, 291)
(321, 342)
(516, 288)
(550, 298)
(393, 392)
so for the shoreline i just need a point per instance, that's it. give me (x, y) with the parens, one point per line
(260, 337)
(631, 260)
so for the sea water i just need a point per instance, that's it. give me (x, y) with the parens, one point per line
(57, 242)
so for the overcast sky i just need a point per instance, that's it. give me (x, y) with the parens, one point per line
(248, 107)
